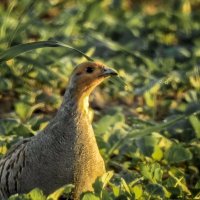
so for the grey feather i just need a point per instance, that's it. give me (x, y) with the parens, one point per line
(65, 152)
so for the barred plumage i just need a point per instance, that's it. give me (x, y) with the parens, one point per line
(11, 167)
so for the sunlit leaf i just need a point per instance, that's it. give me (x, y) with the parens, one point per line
(65, 190)
(137, 190)
(89, 196)
(152, 172)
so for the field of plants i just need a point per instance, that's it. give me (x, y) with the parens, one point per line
(147, 123)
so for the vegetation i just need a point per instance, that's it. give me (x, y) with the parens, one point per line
(148, 131)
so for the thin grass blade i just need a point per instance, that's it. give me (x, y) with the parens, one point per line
(22, 48)
(156, 128)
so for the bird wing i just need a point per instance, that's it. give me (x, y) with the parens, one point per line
(11, 166)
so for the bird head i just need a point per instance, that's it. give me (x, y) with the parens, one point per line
(88, 75)
(83, 80)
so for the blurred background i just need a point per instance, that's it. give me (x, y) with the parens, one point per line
(155, 47)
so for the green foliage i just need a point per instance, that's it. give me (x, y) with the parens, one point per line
(151, 172)
(147, 123)
(35, 194)
(177, 154)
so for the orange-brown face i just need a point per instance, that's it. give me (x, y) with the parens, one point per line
(88, 75)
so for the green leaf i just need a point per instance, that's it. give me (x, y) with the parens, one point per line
(179, 181)
(156, 128)
(119, 82)
(152, 172)
(19, 197)
(14, 51)
(7, 125)
(195, 124)
(155, 190)
(138, 191)
(64, 191)
(14, 126)
(147, 144)
(36, 194)
(177, 153)
(102, 182)
(106, 178)
(89, 196)
(157, 154)
(135, 133)
(108, 121)
(5, 84)
(125, 186)
(22, 110)
(116, 190)
(197, 186)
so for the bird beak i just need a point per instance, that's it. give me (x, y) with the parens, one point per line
(109, 72)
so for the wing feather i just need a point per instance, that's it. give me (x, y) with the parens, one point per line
(11, 167)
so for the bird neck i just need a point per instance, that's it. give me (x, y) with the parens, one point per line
(75, 102)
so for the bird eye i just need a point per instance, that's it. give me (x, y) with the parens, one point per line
(89, 69)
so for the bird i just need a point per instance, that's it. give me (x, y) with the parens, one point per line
(66, 151)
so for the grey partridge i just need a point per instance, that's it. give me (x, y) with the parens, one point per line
(65, 152)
